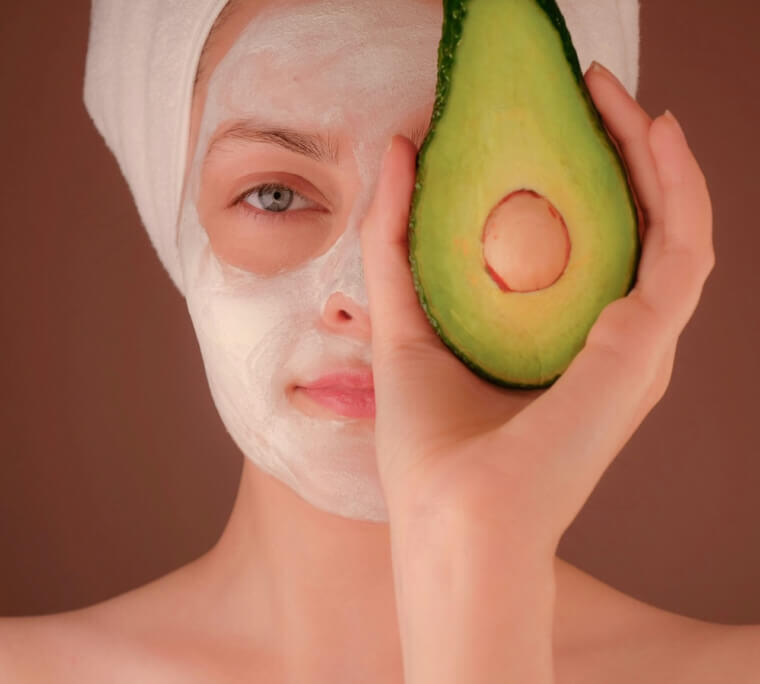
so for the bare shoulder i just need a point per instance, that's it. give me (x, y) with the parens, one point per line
(732, 655)
(32, 649)
(87, 647)
(107, 641)
(66, 647)
(160, 632)
(604, 635)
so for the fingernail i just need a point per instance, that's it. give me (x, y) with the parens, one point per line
(669, 116)
(604, 71)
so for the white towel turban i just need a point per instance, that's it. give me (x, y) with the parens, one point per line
(141, 65)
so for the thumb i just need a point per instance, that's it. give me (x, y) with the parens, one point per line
(398, 320)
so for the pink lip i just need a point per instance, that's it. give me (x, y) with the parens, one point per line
(355, 379)
(347, 393)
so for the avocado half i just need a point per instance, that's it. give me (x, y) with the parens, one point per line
(513, 119)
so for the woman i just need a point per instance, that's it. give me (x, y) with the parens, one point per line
(417, 546)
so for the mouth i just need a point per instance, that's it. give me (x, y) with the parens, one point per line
(349, 393)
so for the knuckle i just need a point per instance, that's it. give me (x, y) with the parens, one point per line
(627, 328)
(710, 265)
(663, 376)
(703, 264)
(689, 261)
(661, 383)
(700, 180)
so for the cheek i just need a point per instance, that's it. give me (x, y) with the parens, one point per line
(267, 247)
(236, 329)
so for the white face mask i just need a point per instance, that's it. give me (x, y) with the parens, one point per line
(360, 70)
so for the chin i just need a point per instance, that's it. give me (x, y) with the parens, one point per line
(345, 493)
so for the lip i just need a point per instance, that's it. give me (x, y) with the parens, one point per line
(349, 393)
(354, 378)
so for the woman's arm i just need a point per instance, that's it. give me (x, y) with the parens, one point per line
(474, 605)
(482, 482)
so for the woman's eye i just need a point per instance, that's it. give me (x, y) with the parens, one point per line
(276, 198)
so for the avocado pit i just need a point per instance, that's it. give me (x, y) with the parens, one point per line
(526, 245)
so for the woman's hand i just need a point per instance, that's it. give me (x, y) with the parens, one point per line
(529, 460)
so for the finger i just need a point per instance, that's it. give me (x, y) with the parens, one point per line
(632, 127)
(397, 317)
(664, 374)
(628, 125)
(672, 280)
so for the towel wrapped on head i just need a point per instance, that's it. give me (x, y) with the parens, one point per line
(140, 71)
(141, 66)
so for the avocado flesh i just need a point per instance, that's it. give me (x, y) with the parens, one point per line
(512, 112)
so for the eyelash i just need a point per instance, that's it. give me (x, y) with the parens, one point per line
(258, 214)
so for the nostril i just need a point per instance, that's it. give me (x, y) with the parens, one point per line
(342, 315)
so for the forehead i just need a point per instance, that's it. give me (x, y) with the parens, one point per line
(304, 17)
(303, 44)
(326, 55)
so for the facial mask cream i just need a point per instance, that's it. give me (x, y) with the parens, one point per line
(361, 70)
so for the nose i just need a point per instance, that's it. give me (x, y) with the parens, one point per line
(343, 316)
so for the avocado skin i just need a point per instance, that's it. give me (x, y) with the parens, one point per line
(454, 15)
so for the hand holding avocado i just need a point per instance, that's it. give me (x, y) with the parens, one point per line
(519, 463)
(534, 191)
(447, 437)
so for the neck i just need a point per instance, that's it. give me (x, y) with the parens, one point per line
(317, 584)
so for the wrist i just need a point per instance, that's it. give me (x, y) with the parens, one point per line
(477, 524)
(474, 604)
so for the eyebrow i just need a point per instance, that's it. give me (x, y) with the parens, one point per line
(320, 148)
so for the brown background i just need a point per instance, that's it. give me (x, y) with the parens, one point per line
(115, 468)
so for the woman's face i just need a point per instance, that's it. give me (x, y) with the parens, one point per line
(295, 121)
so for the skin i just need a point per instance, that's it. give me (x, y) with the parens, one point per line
(332, 607)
